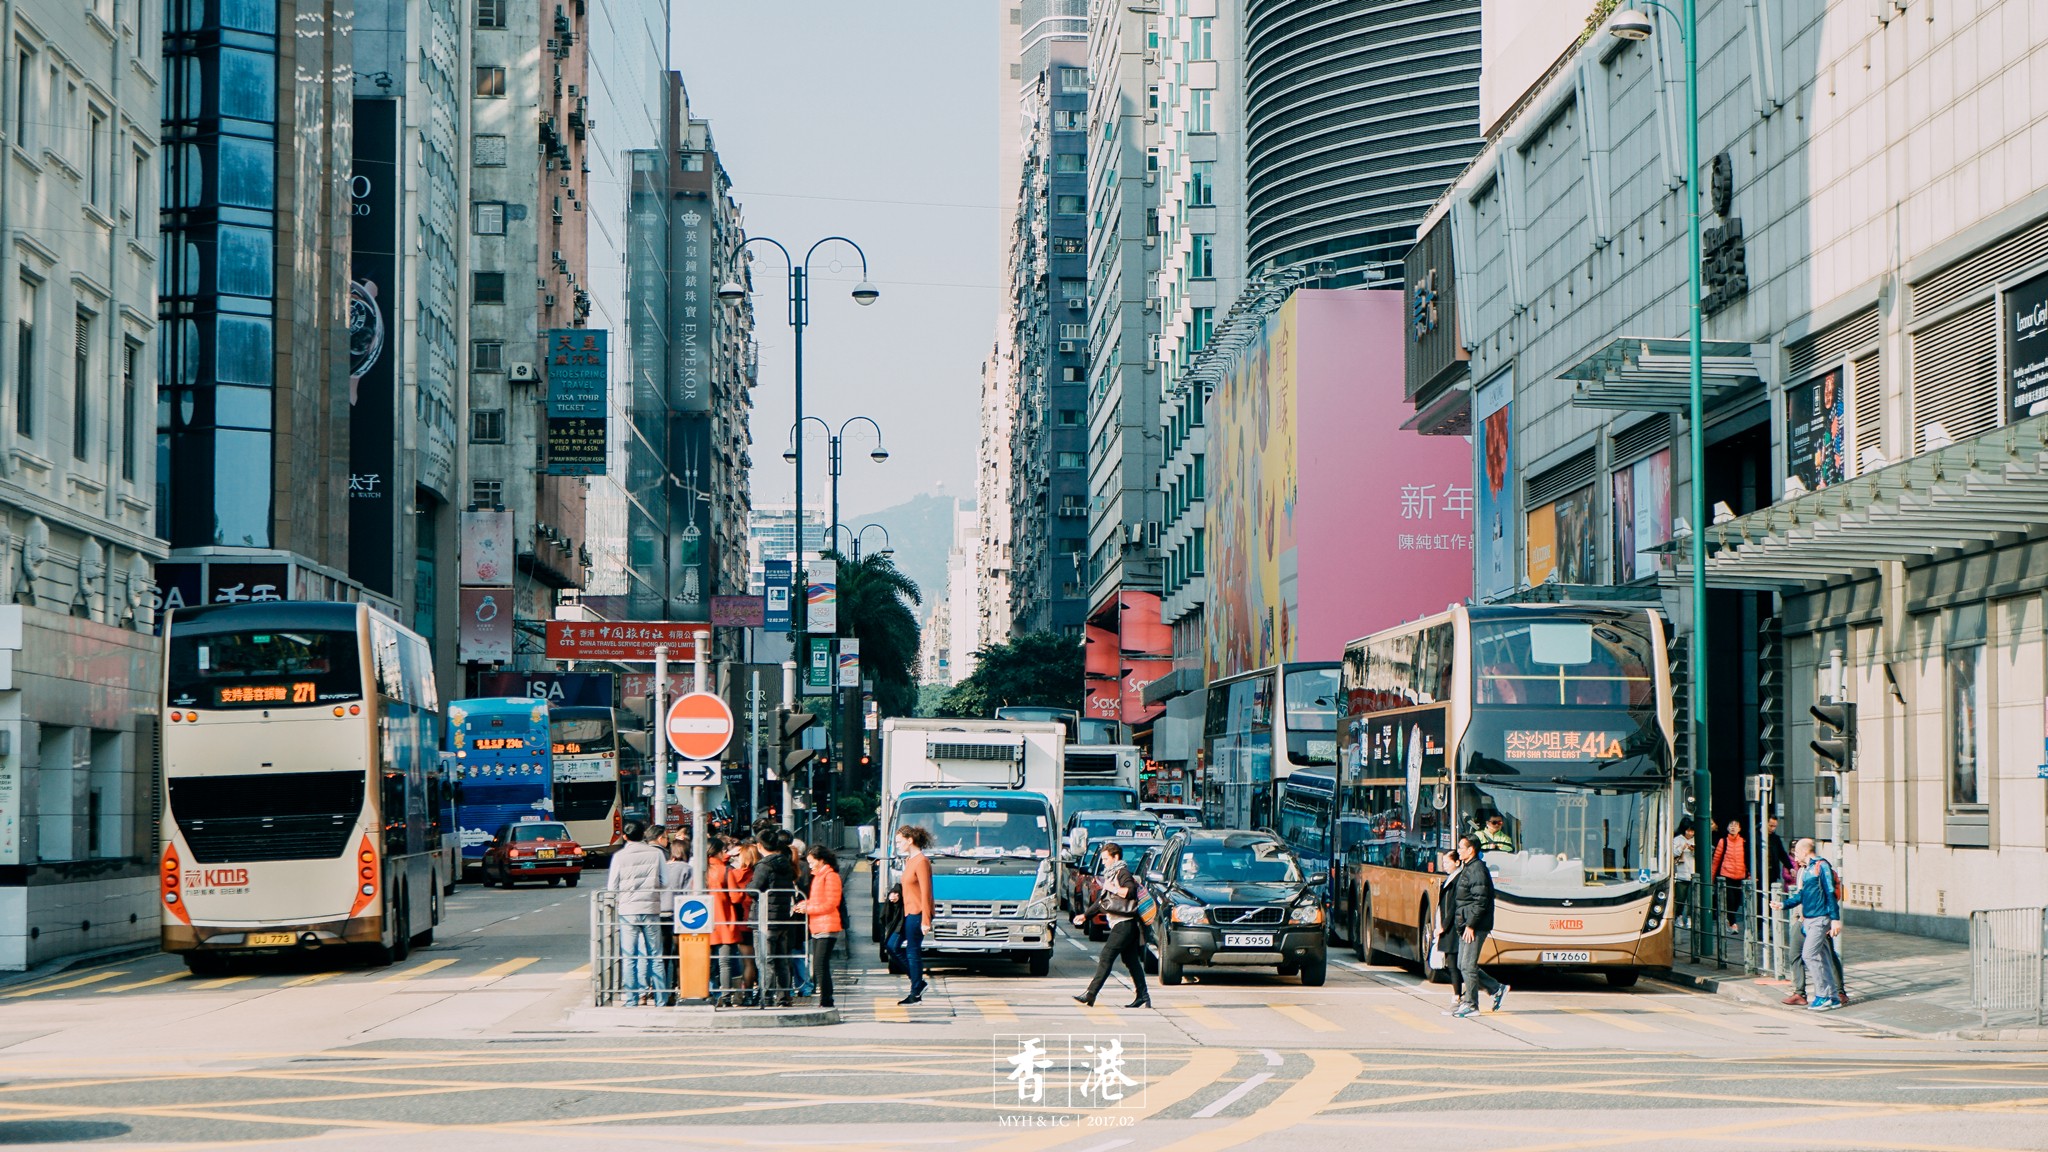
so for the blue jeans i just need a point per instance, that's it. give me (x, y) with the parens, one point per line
(640, 947)
(913, 951)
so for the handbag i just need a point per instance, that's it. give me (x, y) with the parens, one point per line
(1148, 909)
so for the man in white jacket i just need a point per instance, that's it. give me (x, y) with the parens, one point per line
(636, 877)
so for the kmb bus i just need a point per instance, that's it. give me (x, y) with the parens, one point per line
(1258, 728)
(1557, 719)
(584, 742)
(298, 747)
(503, 768)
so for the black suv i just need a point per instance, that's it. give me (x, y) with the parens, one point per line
(1237, 898)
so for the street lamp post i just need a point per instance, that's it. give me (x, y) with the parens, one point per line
(1632, 25)
(864, 293)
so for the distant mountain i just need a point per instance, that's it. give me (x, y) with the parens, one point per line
(921, 532)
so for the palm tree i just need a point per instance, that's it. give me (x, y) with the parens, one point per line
(875, 599)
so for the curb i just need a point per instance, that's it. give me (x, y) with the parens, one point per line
(2035, 1035)
(703, 1019)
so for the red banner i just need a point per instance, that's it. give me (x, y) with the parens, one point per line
(577, 640)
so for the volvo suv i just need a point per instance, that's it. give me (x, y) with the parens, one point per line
(1237, 898)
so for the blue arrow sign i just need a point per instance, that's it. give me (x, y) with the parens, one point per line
(693, 915)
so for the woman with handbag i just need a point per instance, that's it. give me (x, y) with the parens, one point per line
(1444, 949)
(1118, 898)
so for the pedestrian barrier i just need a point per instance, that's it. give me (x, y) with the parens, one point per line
(2008, 947)
(635, 958)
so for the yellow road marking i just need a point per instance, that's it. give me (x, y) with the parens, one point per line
(1304, 1017)
(314, 978)
(1696, 1017)
(1332, 1073)
(1204, 1067)
(223, 982)
(507, 968)
(890, 1012)
(994, 1010)
(1207, 1017)
(582, 973)
(61, 985)
(1410, 1020)
(1522, 1023)
(1619, 1019)
(1100, 1014)
(420, 970)
(166, 978)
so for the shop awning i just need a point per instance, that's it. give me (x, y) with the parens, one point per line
(1646, 374)
(1448, 415)
(1989, 488)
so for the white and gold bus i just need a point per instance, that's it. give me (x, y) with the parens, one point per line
(298, 756)
(585, 743)
(1556, 718)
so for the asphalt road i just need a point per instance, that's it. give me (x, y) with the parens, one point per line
(484, 1041)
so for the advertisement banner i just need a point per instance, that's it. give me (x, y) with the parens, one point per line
(578, 367)
(1393, 764)
(1493, 413)
(849, 663)
(818, 672)
(691, 302)
(1817, 432)
(821, 612)
(1561, 539)
(2026, 348)
(1642, 515)
(737, 611)
(690, 569)
(779, 576)
(486, 548)
(578, 640)
(373, 347)
(242, 583)
(564, 689)
(576, 445)
(485, 626)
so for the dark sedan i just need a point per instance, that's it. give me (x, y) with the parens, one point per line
(1235, 898)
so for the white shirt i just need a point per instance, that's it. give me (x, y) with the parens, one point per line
(1681, 855)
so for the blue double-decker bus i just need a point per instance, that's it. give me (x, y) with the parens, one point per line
(503, 768)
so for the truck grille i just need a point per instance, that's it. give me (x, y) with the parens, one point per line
(1232, 915)
(977, 910)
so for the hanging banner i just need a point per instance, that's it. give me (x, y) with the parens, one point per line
(821, 611)
(690, 567)
(486, 556)
(849, 663)
(690, 305)
(737, 611)
(818, 675)
(778, 577)
(584, 640)
(372, 347)
(485, 626)
(578, 367)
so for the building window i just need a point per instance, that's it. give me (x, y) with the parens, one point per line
(487, 356)
(1070, 417)
(24, 67)
(1201, 255)
(1202, 38)
(487, 287)
(1073, 289)
(1072, 375)
(1073, 79)
(131, 353)
(490, 13)
(1201, 184)
(487, 426)
(1069, 120)
(490, 80)
(96, 159)
(25, 359)
(1198, 555)
(1069, 162)
(487, 494)
(488, 152)
(143, 192)
(1070, 205)
(81, 380)
(1073, 331)
(1071, 460)
(488, 217)
(1199, 104)
(1969, 724)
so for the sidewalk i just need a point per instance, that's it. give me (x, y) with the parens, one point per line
(1910, 985)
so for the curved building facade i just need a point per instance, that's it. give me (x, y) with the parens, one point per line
(1358, 114)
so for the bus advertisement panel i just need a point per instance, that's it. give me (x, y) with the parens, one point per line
(503, 767)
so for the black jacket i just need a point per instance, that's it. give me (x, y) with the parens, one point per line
(1472, 899)
(775, 879)
(1118, 874)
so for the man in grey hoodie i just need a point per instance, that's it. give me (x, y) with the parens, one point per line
(635, 876)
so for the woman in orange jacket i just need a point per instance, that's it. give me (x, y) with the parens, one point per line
(1731, 868)
(739, 870)
(821, 908)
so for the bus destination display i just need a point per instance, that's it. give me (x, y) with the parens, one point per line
(499, 743)
(246, 695)
(1562, 744)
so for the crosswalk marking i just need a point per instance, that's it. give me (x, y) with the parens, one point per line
(1410, 1020)
(1657, 1005)
(994, 1010)
(1100, 1014)
(1304, 1017)
(419, 970)
(582, 973)
(222, 982)
(1207, 1017)
(890, 1012)
(166, 978)
(1620, 1020)
(508, 967)
(62, 985)
(1522, 1023)
(314, 978)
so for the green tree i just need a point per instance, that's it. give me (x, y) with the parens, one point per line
(1042, 668)
(875, 601)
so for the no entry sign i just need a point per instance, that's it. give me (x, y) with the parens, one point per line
(699, 726)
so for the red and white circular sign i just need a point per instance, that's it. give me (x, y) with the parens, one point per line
(699, 726)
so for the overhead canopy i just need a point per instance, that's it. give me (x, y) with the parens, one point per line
(1988, 488)
(1448, 415)
(1646, 374)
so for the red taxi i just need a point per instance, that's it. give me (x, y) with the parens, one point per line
(534, 850)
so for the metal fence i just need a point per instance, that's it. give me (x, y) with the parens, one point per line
(635, 957)
(2008, 947)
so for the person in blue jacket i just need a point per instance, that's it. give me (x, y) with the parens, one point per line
(1821, 921)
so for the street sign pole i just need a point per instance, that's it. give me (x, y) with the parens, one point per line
(699, 834)
(754, 748)
(789, 698)
(660, 708)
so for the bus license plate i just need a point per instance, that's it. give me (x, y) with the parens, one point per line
(1247, 940)
(546, 853)
(1567, 957)
(271, 939)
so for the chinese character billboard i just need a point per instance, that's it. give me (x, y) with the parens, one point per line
(373, 346)
(578, 368)
(1325, 520)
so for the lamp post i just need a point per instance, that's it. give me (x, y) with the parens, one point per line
(1629, 24)
(835, 460)
(857, 537)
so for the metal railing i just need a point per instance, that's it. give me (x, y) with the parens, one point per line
(2008, 947)
(635, 957)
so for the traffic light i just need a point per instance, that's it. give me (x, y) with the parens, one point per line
(791, 742)
(1836, 744)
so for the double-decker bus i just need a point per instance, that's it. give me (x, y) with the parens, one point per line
(1068, 718)
(502, 768)
(298, 746)
(1555, 718)
(1258, 728)
(584, 742)
(1306, 804)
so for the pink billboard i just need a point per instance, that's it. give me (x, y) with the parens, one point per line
(1325, 520)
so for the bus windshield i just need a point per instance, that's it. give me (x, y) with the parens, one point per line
(580, 735)
(1562, 662)
(1311, 699)
(1571, 841)
(981, 825)
(269, 668)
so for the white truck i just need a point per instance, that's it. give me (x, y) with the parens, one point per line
(988, 792)
(1101, 778)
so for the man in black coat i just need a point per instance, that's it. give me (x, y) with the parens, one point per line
(774, 880)
(1471, 919)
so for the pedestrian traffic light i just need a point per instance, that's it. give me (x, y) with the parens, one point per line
(794, 754)
(1836, 743)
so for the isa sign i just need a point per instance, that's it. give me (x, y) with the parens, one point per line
(779, 578)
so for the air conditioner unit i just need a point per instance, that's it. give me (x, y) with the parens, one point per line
(1066, 345)
(1151, 240)
(522, 373)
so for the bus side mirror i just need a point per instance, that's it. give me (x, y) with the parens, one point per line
(1318, 879)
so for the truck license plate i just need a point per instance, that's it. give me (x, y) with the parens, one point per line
(1247, 940)
(1567, 957)
(971, 929)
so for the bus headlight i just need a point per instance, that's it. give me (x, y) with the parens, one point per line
(1659, 905)
(1306, 912)
(1190, 914)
